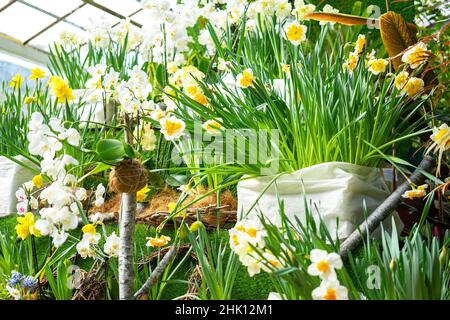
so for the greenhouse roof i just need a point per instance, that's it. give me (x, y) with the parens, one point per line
(27, 27)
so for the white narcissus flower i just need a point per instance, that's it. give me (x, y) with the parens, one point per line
(72, 135)
(414, 87)
(97, 71)
(84, 248)
(323, 264)
(302, 9)
(81, 194)
(172, 128)
(377, 66)
(441, 138)
(36, 121)
(295, 32)
(416, 56)
(55, 124)
(245, 79)
(111, 247)
(330, 290)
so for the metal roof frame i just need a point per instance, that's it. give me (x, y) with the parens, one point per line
(24, 50)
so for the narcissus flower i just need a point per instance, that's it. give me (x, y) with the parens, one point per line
(172, 128)
(212, 127)
(330, 290)
(302, 9)
(441, 138)
(377, 66)
(141, 195)
(352, 62)
(90, 233)
(416, 56)
(25, 226)
(295, 32)
(157, 242)
(171, 67)
(401, 79)
(286, 68)
(415, 193)
(111, 247)
(29, 100)
(171, 206)
(36, 73)
(60, 89)
(245, 79)
(16, 81)
(360, 43)
(323, 264)
(414, 86)
(38, 181)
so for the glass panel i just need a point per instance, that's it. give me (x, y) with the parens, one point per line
(58, 8)
(123, 7)
(51, 35)
(22, 22)
(3, 3)
(88, 15)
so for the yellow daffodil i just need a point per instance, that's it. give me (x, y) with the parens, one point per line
(89, 228)
(60, 89)
(416, 56)
(352, 62)
(415, 193)
(401, 79)
(212, 127)
(141, 195)
(25, 226)
(295, 32)
(377, 66)
(360, 43)
(38, 181)
(36, 73)
(29, 99)
(157, 242)
(16, 81)
(196, 225)
(414, 86)
(245, 79)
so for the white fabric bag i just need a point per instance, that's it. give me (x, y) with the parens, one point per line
(333, 190)
(12, 177)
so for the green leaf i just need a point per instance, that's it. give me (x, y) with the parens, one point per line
(129, 150)
(176, 180)
(111, 150)
(99, 168)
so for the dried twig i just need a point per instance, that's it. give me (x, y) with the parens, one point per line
(156, 274)
(387, 207)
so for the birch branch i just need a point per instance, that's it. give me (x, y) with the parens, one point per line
(126, 246)
(156, 274)
(386, 208)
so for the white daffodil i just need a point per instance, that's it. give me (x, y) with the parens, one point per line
(323, 264)
(84, 248)
(172, 128)
(416, 56)
(330, 290)
(111, 247)
(295, 32)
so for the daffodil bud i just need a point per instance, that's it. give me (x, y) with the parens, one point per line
(182, 233)
(393, 264)
(197, 224)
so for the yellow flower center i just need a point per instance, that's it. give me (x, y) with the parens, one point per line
(173, 127)
(235, 240)
(323, 266)
(294, 32)
(252, 232)
(330, 295)
(89, 228)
